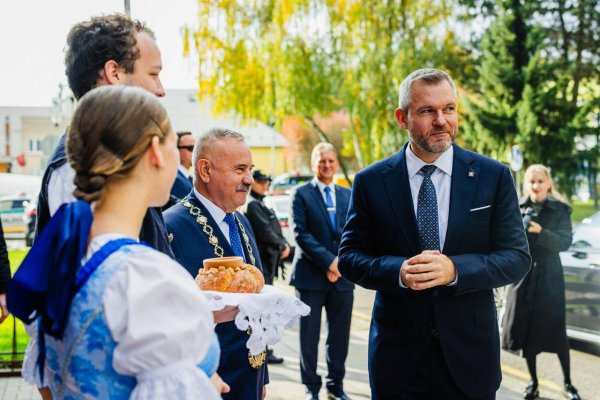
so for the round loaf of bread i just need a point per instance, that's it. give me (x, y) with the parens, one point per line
(230, 274)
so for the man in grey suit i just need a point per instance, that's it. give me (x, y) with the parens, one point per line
(318, 214)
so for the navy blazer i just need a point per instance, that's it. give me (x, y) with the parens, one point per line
(317, 241)
(190, 246)
(485, 240)
(181, 187)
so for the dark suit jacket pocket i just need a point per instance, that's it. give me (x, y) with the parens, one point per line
(479, 218)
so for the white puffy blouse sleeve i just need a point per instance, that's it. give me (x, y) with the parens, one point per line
(162, 325)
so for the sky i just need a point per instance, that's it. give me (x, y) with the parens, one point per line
(33, 35)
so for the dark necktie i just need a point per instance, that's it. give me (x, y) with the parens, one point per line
(330, 207)
(234, 236)
(191, 180)
(427, 212)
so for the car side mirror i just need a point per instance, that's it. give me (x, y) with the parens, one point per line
(580, 255)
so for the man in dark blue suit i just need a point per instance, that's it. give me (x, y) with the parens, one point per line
(206, 225)
(318, 214)
(433, 229)
(183, 181)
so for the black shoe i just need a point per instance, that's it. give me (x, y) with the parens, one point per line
(571, 392)
(531, 392)
(272, 358)
(337, 396)
(312, 395)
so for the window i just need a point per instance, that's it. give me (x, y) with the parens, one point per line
(34, 145)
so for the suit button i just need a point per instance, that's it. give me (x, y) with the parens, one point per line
(436, 292)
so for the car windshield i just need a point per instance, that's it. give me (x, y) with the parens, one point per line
(12, 204)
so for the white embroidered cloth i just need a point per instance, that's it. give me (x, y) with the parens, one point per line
(267, 313)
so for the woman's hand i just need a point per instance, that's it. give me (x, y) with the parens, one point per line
(219, 384)
(534, 227)
(225, 315)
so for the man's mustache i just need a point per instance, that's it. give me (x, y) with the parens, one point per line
(243, 188)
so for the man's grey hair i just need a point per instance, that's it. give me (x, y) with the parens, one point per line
(430, 76)
(206, 142)
(320, 148)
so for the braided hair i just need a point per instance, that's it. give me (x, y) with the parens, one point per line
(109, 134)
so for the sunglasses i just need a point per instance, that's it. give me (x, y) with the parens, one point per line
(188, 148)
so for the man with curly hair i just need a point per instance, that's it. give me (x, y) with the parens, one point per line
(104, 50)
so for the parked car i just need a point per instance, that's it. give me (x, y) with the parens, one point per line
(581, 264)
(281, 204)
(18, 213)
(282, 184)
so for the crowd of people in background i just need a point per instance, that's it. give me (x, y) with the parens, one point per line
(108, 290)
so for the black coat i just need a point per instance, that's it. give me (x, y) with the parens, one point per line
(534, 320)
(4, 265)
(269, 238)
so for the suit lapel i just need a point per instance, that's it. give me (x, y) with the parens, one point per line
(244, 247)
(397, 187)
(465, 176)
(341, 200)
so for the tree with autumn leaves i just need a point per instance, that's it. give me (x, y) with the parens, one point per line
(528, 71)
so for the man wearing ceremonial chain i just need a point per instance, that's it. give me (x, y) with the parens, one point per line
(206, 224)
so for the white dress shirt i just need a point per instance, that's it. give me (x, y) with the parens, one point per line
(61, 187)
(216, 212)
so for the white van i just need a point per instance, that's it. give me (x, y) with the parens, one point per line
(19, 184)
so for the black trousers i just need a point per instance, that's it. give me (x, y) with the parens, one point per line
(338, 308)
(432, 380)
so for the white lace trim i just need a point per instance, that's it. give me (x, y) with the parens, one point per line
(267, 313)
(29, 371)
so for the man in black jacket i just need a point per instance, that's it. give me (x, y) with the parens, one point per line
(272, 246)
(4, 275)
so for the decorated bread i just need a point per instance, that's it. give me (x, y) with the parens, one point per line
(230, 274)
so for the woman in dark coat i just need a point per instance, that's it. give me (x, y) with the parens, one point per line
(534, 320)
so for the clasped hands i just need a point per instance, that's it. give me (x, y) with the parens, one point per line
(333, 273)
(426, 270)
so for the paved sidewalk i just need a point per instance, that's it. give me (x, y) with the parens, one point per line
(17, 389)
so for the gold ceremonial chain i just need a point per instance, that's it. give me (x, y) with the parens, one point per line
(207, 229)
(258, 360)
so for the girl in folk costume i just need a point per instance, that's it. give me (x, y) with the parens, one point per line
(116, 319)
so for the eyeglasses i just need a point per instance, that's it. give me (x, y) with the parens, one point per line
(188, 148)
